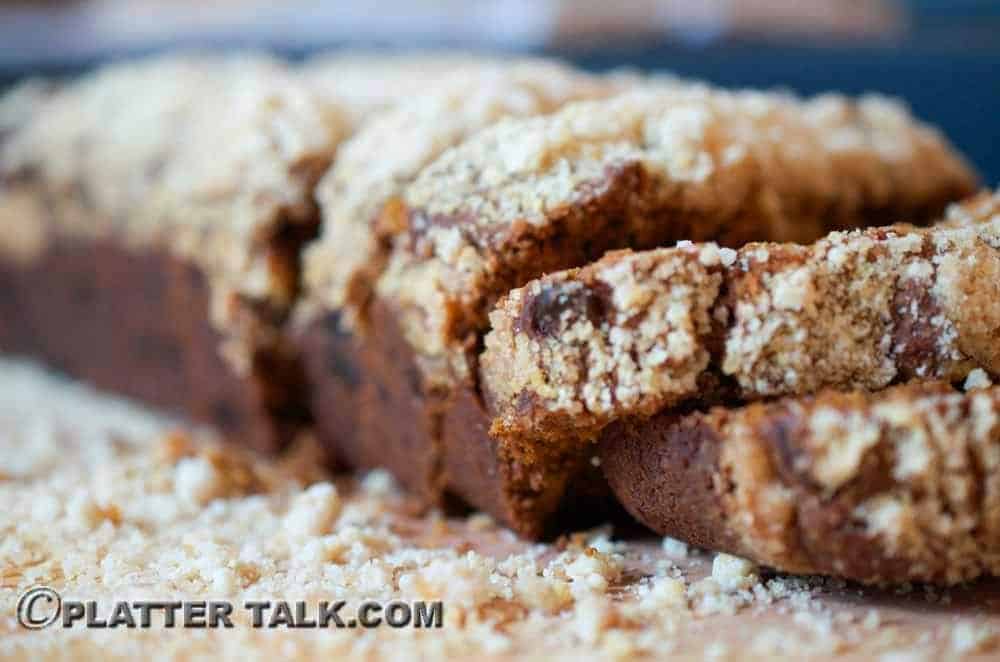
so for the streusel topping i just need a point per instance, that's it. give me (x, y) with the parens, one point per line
(201, 154)
(648, 167)
(392, 147)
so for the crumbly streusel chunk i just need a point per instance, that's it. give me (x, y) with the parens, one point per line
(898, 486)
(392, 147)
(649, 167)
(636, 332)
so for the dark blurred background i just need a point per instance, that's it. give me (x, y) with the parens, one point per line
(941, 56)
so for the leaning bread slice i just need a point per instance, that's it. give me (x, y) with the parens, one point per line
(902, 485)
(634, 333)
(388, 152)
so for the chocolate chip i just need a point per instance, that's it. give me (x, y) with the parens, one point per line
(543, 313)
(779, 433)
(340, 359)
(914, 337)
(224, 414)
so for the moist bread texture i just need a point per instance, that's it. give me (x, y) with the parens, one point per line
(891, 487)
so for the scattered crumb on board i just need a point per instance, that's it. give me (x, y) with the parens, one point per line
(105, 501)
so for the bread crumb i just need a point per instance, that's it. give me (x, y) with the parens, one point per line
(591, 571)
(665, 592)
(542, 593)
(675, 549)
(592, 616)
(196, 480)
(977, 379)
(109, 520)
(733, 573)
(87, 514)
(969, 637)
(314, 511)
(379, 483)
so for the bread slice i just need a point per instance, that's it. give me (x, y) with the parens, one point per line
(635, 333)
(352, 359)
(902, 485)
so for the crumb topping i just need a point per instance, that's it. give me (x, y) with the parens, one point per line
(733, 573)
(392, 147)
(977, 379)
(201, 154)
(651, 166)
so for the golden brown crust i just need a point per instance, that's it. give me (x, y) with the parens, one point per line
(893, 487)
(638, 332)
